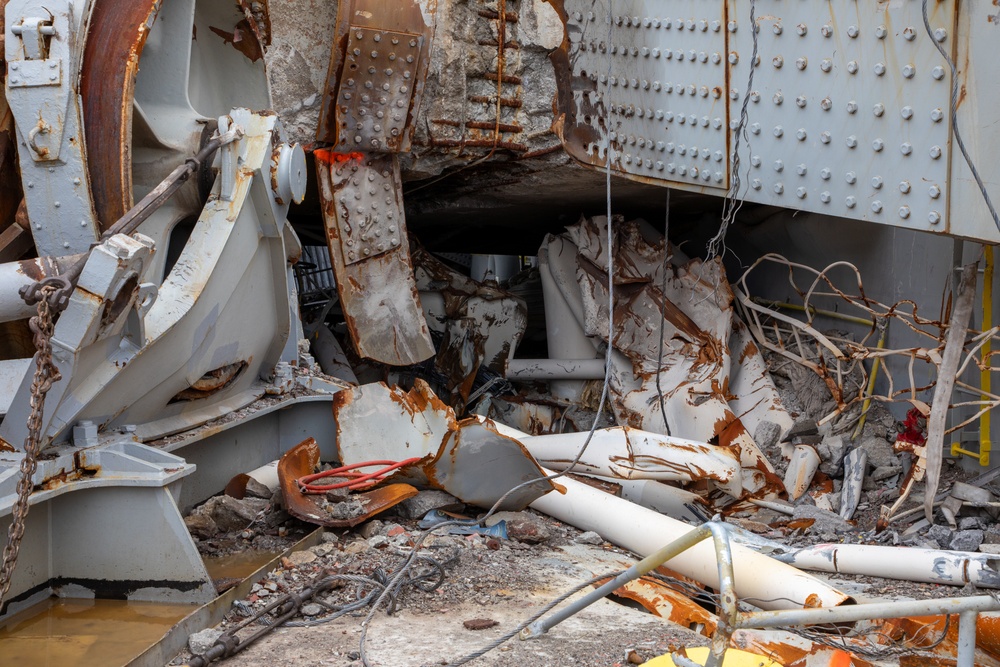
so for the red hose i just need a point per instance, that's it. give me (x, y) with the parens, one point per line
(358, 480)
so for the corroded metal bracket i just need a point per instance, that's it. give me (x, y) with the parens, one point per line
(376, 78)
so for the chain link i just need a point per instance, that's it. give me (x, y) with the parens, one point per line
(46, 373)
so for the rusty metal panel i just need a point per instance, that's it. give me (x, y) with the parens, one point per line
(411, 23)
(369, 208)
(652, 85)
(378, 295)
(376, 89)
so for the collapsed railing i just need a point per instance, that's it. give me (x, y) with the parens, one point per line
(732, 619)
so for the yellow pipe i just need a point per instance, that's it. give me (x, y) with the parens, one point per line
(870, 389)
(985, 383)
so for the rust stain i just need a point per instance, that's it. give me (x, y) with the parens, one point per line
(244, 39)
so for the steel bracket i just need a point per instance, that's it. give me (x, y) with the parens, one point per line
(43, 48)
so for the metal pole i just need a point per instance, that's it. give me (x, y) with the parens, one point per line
(966, 656)
(861, 612)
(647, 564)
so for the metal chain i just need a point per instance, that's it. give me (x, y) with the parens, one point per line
(46, 374)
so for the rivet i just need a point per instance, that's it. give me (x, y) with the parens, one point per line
(878, 145)
(801, 134)
(733, 57)
(660, 146)
(778, 131)
(935, 152)
(659, 165)
(825, 137)
(938, 73)
(852, 67)
(732, 26)
(909, 33)
(906, 148)
(853, 31)
(703, 57)
(852, 107)
(690, 24)
(826, 104)
(755, 160)
(906, 113)
(13, 66)
(904, 187)
(716, 26)
(777, 61)
(801, 63)
(801, 170)
(682, 170)
(852, 141)
(671, 168)
(851, 177)
(824, 173)
(734, 94)
(937, 115)
(717, 123)
(756, 184)
(826, 30)
(877, 182)
(878, 109)
(717, 156)
(824, 197)
(779, 166)
(934, 192)
(826, 65)
(755, 96)
(934, 217)
(909, 71)
(779, 188)
(777, 28)
(718, 177)
(656, 53)
(801, 193)
(76, 181)
(703, 91)
(800, 101)
(904, 212)
(56, 204)
(879, 69)
(716, 58)
(876, 206)
(940, 34)
(881, 32)
(851, 201)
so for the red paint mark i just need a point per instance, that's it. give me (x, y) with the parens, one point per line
(330, 157)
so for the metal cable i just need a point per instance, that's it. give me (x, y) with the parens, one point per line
(663, 312)
(734, 201)
(954, 116)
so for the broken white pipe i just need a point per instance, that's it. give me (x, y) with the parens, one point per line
(759, 579)
(555, 369)
(855, 465)
(929, 566)
(627, 453)
(678, 503)
(267, 475)
(801, 469)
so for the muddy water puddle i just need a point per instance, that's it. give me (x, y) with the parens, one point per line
(85, 633)
(238, 565)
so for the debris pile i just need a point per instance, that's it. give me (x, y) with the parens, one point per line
(718, 405)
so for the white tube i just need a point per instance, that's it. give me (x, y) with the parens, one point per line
(801, 470)
(930, 566)
(628, 453)
(555, 369)
(760, 580)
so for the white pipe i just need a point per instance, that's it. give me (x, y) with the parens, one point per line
(628, 453)
(760, 580)
(555, 369)
(801, 469)
(929, 566)
(678, 503)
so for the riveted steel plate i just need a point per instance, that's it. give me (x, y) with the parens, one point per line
(848, 113)
(376, 89)
(655, 87)
(368, 206)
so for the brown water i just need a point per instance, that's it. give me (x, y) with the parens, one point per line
(239, 565)
(85, 633)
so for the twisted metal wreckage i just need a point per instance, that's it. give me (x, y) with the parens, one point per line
(165, 328)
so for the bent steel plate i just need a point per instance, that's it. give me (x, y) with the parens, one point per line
(371, 256)
(303, 459)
